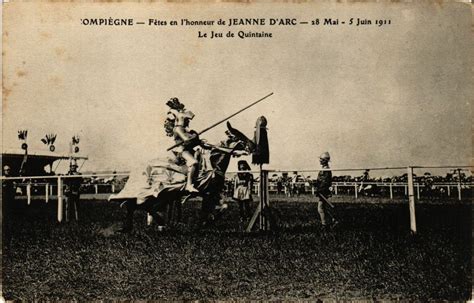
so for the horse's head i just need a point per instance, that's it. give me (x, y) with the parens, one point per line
(236, 140)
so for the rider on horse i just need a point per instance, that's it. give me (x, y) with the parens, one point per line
(177, 126)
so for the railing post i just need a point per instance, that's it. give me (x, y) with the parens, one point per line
(46, 192)
(411, 200)
(355, 190)
(264, 201)
(391, 191)
(418, 191)
(28, 193)
(449, 190)
(113, 188)
(96, 186)
(60, 200)
(335, 189)
(459, 185)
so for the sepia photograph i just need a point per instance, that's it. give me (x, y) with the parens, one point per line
(237, 151)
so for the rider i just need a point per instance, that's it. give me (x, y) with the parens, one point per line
(177, 126)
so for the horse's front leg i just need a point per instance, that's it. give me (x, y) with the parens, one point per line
(207, 208)
(131, 206)
(161, 211)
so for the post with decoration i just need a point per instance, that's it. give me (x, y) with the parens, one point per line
(260, 156)
(22, 136)
(74, 184)
(49, 140)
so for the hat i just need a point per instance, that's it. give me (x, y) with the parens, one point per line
(325, 156)
(244, 163)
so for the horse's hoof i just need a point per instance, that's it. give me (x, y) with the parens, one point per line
(125, 230)
(222, 207)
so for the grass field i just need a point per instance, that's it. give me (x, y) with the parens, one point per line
(369, 255)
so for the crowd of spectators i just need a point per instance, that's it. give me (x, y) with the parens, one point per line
(297, 184)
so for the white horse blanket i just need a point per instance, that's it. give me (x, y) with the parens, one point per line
(150, 179)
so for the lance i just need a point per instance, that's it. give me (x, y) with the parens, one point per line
(223, 120)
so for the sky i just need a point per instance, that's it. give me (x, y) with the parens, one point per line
(373, 96)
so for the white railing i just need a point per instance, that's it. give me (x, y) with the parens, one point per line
(409, 186)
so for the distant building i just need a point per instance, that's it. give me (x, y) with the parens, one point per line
(38, 163)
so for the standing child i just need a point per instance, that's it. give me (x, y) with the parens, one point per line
(243, 183)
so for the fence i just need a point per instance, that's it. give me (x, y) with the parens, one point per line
(391, 190)
(48, 189)
(48, 185)
(411, 189)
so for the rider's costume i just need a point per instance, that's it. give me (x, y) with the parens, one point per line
(182, 133)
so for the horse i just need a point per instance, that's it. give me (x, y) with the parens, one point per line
(209, 182)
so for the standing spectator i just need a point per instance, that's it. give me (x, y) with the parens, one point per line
(9, 209)
(365, 178)
(72, 191)
(279, 185)
(322, 186)
(287, 185)
(243, 183)
(294, 184)
(428, 184)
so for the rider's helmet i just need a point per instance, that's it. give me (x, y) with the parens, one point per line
(174, 103)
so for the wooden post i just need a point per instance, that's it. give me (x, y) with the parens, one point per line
(113, 188)
(262, 205)
(253, 219)
(46, 192)
(449, 190)
(76, 211)
(28, 193)
(418, 191)
(267, 199)
(391, 191)
(264, 224)
(459, 185)
(411, 200)
(149, 219)
(406, 189)
(260, 217)
(66, 209)
(96, 189)
(60, 200)
(335, 189)
(355, 190)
